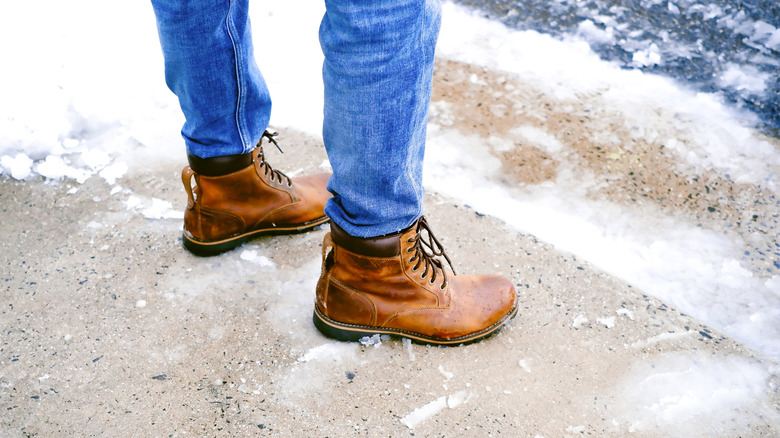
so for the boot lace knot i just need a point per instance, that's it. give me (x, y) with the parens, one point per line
(426, 249)
(270, 172)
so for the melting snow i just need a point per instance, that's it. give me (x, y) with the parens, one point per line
(421, 414)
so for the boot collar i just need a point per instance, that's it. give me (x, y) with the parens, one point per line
(388, 245)
(218, 166)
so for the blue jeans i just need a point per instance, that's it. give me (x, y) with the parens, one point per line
(377, 74)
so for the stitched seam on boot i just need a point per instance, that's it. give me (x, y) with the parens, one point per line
(367, 257)
(325, 293)
(325, 290)
(361, 294)
(224, 213)
(427, 286)
(277, 210)
(215, 212)
(408, 311)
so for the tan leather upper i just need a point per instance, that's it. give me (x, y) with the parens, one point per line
(252, 198)
(391, 292)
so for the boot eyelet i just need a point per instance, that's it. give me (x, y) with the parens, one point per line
(443, 286)
(431, 282)
(414, 269)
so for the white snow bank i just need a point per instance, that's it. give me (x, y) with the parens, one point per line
(718, 137)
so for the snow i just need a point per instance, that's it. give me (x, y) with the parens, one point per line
(543, 59)
(694, 269)
(686, 396)
(608, 322)
(252, 256)
(375, 340)
(540, 138)
(427, 411)
(744, 78)
(579, 320)
(457, 399)
(332, 352)
(113, 172)
(19, 166)
(421, 414)
(447, 375)
(409, 348)
(588, 29)
(153, 208)
(662, 337)
(626, 312)
(524, 365)
(647, 57)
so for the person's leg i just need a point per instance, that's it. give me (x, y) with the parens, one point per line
(377, 73)
(380, 273)
(210, 66)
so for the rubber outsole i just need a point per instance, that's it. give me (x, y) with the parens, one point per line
(354, 333)
(205, 249)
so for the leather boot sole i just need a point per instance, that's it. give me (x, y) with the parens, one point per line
(211, 248)
(353, 333)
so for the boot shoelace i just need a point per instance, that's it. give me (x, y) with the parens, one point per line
(426, 251)
(270, 171)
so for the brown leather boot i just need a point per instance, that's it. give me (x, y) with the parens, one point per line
(239, 197)
(395, 285)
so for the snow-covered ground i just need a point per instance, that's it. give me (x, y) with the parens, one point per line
(697, 270)
(83, 80)
(728, 47)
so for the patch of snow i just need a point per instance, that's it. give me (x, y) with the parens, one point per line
(260, 260)
(608, 322)
(539, 138)
(19, 166)
(375, 340)
(333, 352)
(447, 375)
(662, 337)
(695, 395)
(625, 312)
(524, 365)
(427, 411)
(409, 348)
(579, 320)
(112, 172)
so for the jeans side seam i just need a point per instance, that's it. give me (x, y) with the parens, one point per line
(423, 121)
(240, 123)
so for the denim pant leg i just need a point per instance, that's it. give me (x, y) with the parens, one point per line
(210, 66)
(377, 72)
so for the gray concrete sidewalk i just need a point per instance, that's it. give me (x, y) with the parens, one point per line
(110, 328)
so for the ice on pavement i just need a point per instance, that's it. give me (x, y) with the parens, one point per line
(153, 208)
(333, 352)
(252, 256)
(693, 395)
(417, 416)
